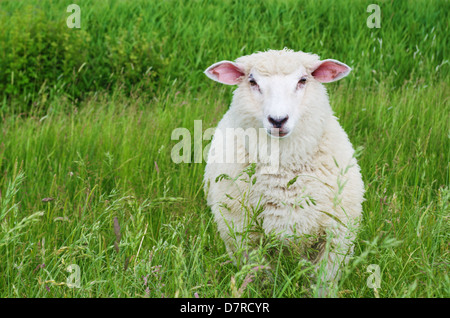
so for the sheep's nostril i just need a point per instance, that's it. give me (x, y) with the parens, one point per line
(278, 122)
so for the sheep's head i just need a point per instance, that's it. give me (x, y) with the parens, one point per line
(276, 83)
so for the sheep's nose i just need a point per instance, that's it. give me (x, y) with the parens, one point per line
(278, 122)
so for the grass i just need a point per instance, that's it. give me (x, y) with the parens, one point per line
(89, 180)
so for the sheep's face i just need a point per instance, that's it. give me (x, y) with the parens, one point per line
(279, 99)
(276, 83)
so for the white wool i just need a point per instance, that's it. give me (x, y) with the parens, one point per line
(317, 152)
(277, 62)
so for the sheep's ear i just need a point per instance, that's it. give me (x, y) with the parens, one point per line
(330, 71)
(225, 72)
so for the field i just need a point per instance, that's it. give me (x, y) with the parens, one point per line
(86, 116)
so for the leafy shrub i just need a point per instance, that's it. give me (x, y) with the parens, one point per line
(36, 52)
(130, 59)
(40, 56)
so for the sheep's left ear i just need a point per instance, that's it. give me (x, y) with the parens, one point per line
(225, 72)
(330, 71)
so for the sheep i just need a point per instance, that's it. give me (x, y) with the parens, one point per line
(316, 191)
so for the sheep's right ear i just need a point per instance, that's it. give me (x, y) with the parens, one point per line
(225, 72)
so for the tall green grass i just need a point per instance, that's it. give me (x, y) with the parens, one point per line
(70, 165)
(145, 46)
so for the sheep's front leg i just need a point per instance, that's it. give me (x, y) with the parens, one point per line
(334, 254)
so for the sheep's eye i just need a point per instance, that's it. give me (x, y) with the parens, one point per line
(252, 82)
(302, 81)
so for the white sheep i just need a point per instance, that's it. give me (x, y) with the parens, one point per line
(316, 192)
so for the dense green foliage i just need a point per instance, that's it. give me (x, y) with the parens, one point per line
(142, 45)
(86, 117)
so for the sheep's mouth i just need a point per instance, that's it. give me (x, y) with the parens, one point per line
(276, 132)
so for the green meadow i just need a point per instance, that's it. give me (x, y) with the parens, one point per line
(92, 204)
